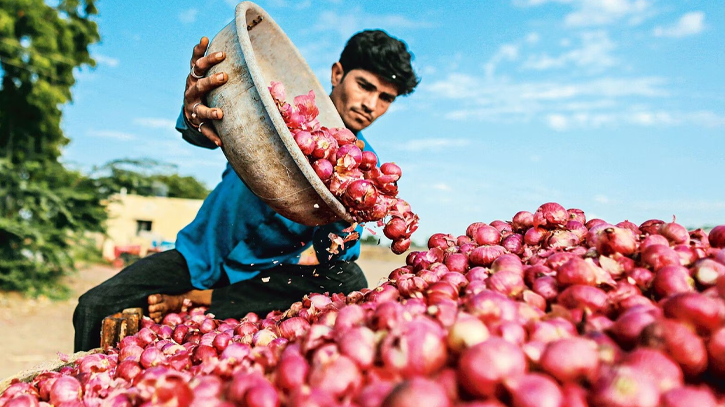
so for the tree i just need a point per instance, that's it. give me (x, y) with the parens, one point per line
(147, 177)
(44, 207)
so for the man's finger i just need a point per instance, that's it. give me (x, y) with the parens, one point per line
(198, 89)
(199, 50)
(202, 65)
(205, 113)
(207, 129)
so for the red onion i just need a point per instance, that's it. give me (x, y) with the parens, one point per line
(717, 236)
(704, 313)
(503, 227)
(368, 160)
(641, 277)
(522, 221)
(65, 389)
(442, 241)
(571, 359)
(360, 195)
(466, 331)
(651, 227)
(506, 282)
(656, 366)
(323, 168)
(395, 228)
(584, 297)
(576, 271)
(338, 376)
(400, 246)
(707, 271)
(623, 386)
(514, 243)
(359, 344)
(485, 255)
(491, 307)
(672, 279)
(483, 367)
(678, 341)
(373, 394)
(688, 396)
(550, 215)
(616, 240)
(471, 229)
(547, 287)
(292, 369)
(561, 239)
(487, 235)
(674, 232)
(534, 390)
(535, 235)
(629, 325)
(414, 348)
(457, 262)
(508, 261)
(658, 256)
(416, 392)
(128, 370)
(629, 225)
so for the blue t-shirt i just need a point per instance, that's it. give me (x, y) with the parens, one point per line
(237, 233)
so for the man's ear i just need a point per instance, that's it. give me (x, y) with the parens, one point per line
(336, 74)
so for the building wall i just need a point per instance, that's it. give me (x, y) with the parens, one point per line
(167, 216)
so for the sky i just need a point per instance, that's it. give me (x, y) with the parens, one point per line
(615, 107)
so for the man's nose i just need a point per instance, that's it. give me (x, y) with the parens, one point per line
(369, 103)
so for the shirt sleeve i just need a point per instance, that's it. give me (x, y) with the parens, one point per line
(192, 135)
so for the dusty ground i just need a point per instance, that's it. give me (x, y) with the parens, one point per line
(34, 331)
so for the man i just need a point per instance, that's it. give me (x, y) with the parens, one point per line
(238, 255)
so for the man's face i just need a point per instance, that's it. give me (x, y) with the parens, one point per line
(360, 96)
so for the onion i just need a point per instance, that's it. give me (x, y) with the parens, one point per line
(535, 235)
(514, 243)
(491, 307)
(670, 280)
(65, 389)
(571, 359)
(717, 236)
(503, 227)
(360, 195)
(417, 392)
(395, 228)
(323, 168)
(368, 161)
(674, 232)
(128, 370)
(716, 353)
(688, 396)
(415, 347)
(623, 386)
(293, 328)
(400, 246)
(487, 235)
(483, 367)
(337, 376)
(359, 344)
(534, 390)
(508, 261)
(616, 240)
(679, 342)
(705, 314)
(576, 271)
(522, 221)
(373, 394)
(466, 331)
(707, 271)
(291, 372)
(485, 255)
(550, 215)
(584, 297)
(546, 286)
(656, 366)
(151, 356)
(506, 282)
(651, 227)
(628, 327)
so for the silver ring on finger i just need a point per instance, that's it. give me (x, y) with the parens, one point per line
(193, 74)
(198, 128)
(193, 110)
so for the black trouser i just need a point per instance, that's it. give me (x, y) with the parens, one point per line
(167, 273)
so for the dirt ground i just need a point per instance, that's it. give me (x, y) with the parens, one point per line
(34, 331)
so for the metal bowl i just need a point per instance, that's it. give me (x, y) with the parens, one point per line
(255, 139)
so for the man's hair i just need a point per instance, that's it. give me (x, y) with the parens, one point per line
(377, 52)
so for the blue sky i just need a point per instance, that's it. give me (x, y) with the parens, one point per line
(616, 107)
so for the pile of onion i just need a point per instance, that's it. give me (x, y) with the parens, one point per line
(545, 309)
(367, 190)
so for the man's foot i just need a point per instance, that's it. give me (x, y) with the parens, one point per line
(162, 304)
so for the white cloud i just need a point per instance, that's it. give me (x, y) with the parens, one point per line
(532, 38)
(689, 24)
(111, 134)
(508, 52)
(188, 16)
(441, 187)
(594, 54)
(598, 12)
(636, 117)
(433, 144)
(348, 24)
(155, 122)
(557, 122)
(106, 60)
(601, 199)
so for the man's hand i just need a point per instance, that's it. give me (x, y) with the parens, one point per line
(197, 87)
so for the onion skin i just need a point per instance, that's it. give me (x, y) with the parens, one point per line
(656, 366)
(716, 237)
(716, 353)
(672, 279)
(624, 386)
(584, 297)
(705, 314)
(483, 367)
(678, 341)
(522, 221)
(550, 215)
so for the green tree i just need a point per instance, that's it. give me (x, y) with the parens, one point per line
(44, 207)
(147, 177)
